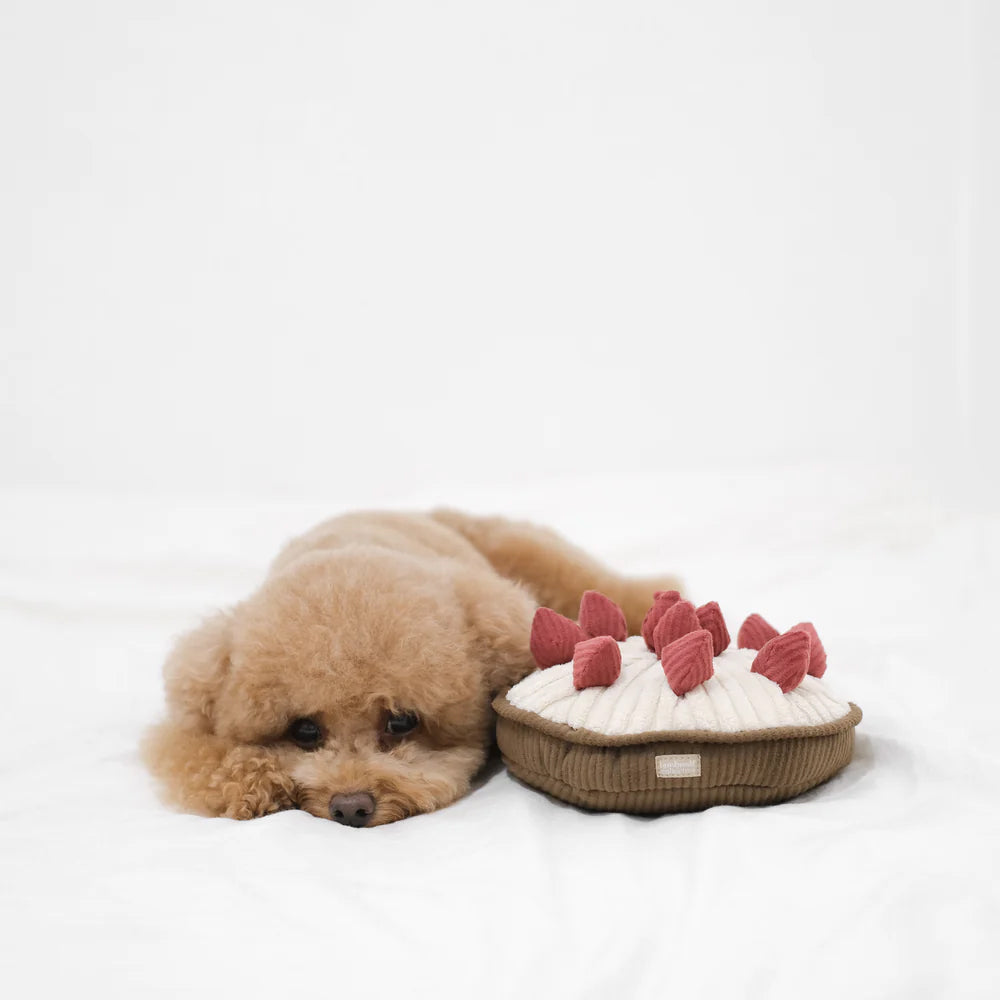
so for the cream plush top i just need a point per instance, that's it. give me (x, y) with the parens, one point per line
(732, 700)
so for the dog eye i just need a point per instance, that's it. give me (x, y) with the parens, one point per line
(401, 723)
(306, 733)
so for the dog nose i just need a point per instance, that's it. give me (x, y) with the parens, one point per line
(355, 809)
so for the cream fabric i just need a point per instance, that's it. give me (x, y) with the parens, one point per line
(640, 701)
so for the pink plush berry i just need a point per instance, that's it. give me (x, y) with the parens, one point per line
(784, 659)
(687, 661)
(662, 600)
(599, 615)
(597, 662)
(676, 621)
(553, 638)
(754, 632)
(710, 618)
(817, 654)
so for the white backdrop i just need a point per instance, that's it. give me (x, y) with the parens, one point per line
(350, 251)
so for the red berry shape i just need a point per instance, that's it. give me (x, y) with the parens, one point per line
(687, 661)
(676, 621)
(553, 638)
(663, 600)
(784, 659)
(754, 632)
(817, 654)
(599, 615)
(597, 662)
(710, 618)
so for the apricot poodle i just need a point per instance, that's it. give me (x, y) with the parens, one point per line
(356, 682)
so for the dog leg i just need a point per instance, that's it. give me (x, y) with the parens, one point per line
(554, 571)
(212, 776)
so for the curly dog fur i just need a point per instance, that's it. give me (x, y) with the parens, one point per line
(366, 616)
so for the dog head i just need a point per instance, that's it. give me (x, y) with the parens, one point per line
(362, 676)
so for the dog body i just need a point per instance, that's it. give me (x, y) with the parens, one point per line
(356, 682)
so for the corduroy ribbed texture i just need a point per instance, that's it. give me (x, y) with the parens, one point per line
(622, 777)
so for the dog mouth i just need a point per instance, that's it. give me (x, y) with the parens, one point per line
(357, 809)
(374, 790)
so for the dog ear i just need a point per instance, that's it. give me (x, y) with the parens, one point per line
(195, 669)
(499, 614)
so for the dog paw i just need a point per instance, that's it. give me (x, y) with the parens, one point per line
(252, 785)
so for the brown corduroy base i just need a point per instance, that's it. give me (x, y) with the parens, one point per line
(620, 773)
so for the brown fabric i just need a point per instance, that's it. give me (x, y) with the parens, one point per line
(619, 773)
(589, 738)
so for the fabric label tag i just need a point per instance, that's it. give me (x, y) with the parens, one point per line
(678, 765)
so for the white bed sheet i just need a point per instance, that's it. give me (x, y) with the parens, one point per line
(883, 883)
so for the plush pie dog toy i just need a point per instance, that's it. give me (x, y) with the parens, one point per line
(674, 719)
